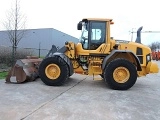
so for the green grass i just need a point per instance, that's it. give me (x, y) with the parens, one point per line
(42, 57)
(3, 75)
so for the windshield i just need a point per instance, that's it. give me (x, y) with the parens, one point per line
(84, 36)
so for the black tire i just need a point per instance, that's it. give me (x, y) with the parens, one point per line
(109, 70)
(101, 75)
(64, 71)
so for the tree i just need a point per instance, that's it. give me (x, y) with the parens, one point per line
(154, 46)
(15, 26)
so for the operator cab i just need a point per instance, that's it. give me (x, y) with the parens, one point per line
(93, 33)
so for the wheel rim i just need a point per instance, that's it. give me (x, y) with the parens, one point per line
(52, 71)
(121, 74)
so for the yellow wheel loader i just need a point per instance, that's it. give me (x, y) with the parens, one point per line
(118, 62)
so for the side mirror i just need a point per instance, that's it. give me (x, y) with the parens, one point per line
(79, 26)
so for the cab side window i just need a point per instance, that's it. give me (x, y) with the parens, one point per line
(97, 36)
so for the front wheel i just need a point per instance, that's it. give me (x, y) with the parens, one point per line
(53, 71)
(120, 74)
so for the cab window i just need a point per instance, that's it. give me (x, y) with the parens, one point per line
(97, 34)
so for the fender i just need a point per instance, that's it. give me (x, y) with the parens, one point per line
(67, 60)
(121, 51)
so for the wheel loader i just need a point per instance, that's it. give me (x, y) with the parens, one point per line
(118, 62)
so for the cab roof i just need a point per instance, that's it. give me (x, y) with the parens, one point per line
(98, 19)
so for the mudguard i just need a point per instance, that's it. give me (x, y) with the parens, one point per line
(121, 51)
(67, 60)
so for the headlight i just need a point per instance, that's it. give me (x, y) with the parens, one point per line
(148, 58)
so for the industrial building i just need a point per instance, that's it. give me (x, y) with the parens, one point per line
(39, 39)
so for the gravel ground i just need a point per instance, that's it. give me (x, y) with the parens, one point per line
(81, 98)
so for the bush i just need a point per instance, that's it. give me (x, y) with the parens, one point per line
(6, 56)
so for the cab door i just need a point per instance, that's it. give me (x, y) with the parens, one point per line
(98, 37)
(94, 39)
(97, 34)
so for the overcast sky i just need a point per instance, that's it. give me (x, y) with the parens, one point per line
(64, 15)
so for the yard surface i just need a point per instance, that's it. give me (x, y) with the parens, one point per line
(81, 98)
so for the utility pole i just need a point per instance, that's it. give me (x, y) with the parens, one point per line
(132, 33)
(39, 49)
(39, 46)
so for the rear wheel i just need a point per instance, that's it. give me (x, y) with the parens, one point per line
(120, 74)
(101, 75)
(53, 71)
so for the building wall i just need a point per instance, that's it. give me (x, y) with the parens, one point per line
(39, 38)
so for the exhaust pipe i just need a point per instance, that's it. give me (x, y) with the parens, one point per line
(138, 39)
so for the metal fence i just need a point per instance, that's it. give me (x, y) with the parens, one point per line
(6, 56)
(36, 52)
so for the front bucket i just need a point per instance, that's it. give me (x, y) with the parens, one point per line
(24, 70)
